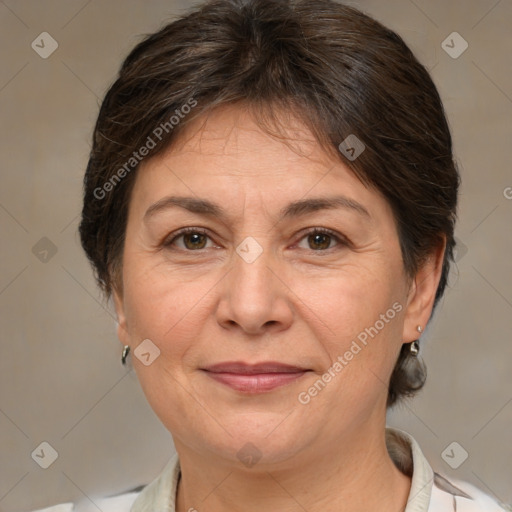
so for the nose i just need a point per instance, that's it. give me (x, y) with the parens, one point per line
(254, 296)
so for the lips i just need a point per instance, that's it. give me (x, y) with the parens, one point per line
(254, 378)
(242, 368)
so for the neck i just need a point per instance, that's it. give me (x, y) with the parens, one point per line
(354, 476)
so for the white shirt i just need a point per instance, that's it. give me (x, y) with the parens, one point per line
(430, 492)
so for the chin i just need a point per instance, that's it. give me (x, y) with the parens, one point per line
(263, 437)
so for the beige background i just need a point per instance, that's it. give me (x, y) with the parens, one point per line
(60, 376)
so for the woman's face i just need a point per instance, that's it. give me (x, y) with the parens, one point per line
(251, 284)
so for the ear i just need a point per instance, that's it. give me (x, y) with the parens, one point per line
(122, 331)
(422, 292)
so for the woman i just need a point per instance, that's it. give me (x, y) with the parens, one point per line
(270, 201)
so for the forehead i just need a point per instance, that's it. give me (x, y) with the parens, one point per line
(227, 155)
(239, 135)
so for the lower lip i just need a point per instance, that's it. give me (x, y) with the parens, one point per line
(257, 383)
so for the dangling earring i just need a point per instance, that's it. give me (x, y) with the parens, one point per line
(124, 355)
(415, 348)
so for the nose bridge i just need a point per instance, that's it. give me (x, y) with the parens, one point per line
(254, 298)
(251, 274)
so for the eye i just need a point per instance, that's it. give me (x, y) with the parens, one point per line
(193, 239)
(319, 239)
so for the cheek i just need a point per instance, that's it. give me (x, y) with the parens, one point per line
(170, 311)
(166, 307)
(361, 355)
(348, 302)
(358, 318)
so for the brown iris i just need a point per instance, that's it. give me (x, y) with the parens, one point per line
(317, 239)
(194, 238)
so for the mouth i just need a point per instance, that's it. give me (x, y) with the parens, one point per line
(254, 378)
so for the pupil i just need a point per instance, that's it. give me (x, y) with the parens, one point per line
(320, 236)
(194, 237)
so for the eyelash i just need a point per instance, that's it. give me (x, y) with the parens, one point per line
(341, 240)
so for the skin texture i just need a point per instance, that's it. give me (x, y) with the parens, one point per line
(295, 303)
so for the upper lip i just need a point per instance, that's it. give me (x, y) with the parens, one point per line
(240, 367)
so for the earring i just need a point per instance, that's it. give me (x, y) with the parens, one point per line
(124, 355)
(414, 347)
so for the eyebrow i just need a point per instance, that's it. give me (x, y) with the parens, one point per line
(294, 209)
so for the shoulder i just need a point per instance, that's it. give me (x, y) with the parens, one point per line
(161, 490)
(119, 503)
(430, 491)
(450, 494)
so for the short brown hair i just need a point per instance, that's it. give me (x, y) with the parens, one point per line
(338, 70)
